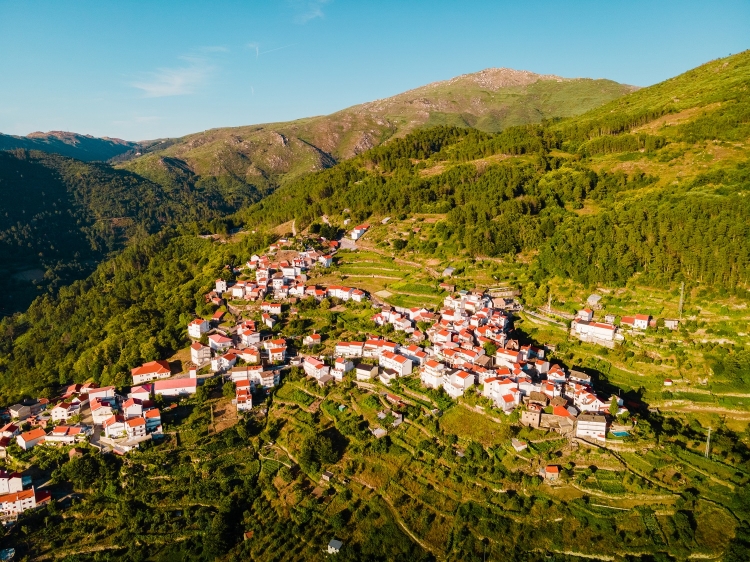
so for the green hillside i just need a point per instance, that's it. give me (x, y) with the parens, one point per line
(490, 100)
(59, 217)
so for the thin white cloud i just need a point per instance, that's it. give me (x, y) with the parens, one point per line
(178, 81)
(306, 10)
(255, 47)
(277, 49)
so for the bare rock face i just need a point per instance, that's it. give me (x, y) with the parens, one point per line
(494, 79)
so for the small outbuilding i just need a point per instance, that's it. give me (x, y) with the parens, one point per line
(334, 547)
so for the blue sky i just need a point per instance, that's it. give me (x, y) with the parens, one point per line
(140, 69)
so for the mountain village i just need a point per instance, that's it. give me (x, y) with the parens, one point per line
(468, 346)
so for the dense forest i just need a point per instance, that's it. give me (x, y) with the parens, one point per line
(59, 217)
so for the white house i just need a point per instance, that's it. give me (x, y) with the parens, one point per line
(199, 353)
(432, 374)
(340, 367)
(589, 426)
(507, 357)
(217, 342)
(114, 427)
(132, 408)
(457, 382)
(176, 387)
(399, 363)
(18, 502)
(641, 321)
(365, 372)
(10, 482)
(311, 340)
(587, 330)
(29, 439)
(64, 411)
(135, 427)
(221, 286)
(359, 231)
(100, 411)
(197, 328)
(349, 349)
(151, 371)
(314, 367)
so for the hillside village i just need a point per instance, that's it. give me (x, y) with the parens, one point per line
(467, 346)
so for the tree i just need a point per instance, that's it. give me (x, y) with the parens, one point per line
(613, 406)
(228, 390)
(490, 349)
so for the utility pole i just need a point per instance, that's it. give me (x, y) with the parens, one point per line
(708, 441)
(682, 297)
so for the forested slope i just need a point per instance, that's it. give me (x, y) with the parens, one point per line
(60, 216)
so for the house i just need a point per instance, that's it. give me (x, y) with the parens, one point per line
(551, 473)
(132, 408)
(594, 300)
(151, 371)
(9, 430)
(218, 316)
(341, 366)
(64, 411)
(135, 427)
(366, 372)
(153, 421)
(223, 362)
(197, 328)
(457, 382)
(448, 272)
(312, 340)
(18, 502)
(349, 349)
(327, 476)
(199, 353)
(217, 342)
(28, 439)
(104, 394)
(10, 482)
(243, 396)
(221, 286)
(641, 321)
(65, 435)
(518, 445)
(586, 330)
(268, 320)
(432, 373)
(271, 307)
(19, 412)
(314, 367)
(590, 426)
(100, 411)
(334, 547)
(141, 393)
(359, 231)
(176, 387)
(587, 315)
(114, 427)
(399, 363)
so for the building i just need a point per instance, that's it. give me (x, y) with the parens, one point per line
(359, 231)
(312, 340)
(29, 439)
(551, 473)
(315, 368)
(114, 427)
(135, 427)
(199, 353)
(641, 321)
(19, 412)
(217, 342)
(432, 373)
(457, 382)
(349, 349)
(64, 411)
(399, 363)
(365, 372)
(341, 366)
(334, 547)
(10, 482)
(151, 371)
(18, 502)
(153, 421)
(197, 328)
(176, 387)
(65, 435)
(591, 426)
(586, 330)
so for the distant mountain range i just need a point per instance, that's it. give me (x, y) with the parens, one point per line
(80, 147)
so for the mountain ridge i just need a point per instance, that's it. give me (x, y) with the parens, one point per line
(86, 148)
(490, 100)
